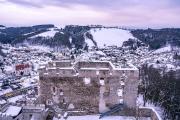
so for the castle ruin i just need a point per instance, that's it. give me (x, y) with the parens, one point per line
(90, 87)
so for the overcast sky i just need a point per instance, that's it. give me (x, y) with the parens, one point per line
(132, 13)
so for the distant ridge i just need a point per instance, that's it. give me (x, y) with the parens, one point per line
(83, 37)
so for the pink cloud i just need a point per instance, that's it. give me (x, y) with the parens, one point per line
(138, 13)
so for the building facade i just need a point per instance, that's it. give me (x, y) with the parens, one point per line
(22, 69)
(26, 112)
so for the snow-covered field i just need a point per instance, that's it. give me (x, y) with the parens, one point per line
(89, 42)
(41, 48)
(163, 49)
(49, 33)
(110, 36)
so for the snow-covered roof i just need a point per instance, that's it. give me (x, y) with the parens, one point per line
(170, 66)
(14, 99)
(6, 91)
(2, 102)
(13, 111)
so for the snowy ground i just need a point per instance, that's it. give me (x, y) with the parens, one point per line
(163, 49)
(41, 48)
(16, 98)
(6, 91)
(156, 109)
(13, 111)
(89, 42)
(110, 36)
(49, 33)
(96, 117)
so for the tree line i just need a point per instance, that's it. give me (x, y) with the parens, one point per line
(161, 88)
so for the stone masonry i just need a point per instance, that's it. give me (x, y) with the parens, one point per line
(92, 87)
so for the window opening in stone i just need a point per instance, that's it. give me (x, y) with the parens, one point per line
(61, 92)
(87, 80)
(120, 92)
(53, 89)
(101, 81)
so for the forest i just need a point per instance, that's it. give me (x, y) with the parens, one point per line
(161, 88)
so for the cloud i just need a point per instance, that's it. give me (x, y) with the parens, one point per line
(97, 3)
(27, 3)
(144, 17)
(14, 15)
(141, 13)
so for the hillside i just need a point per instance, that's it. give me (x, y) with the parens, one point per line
(157, 38)
(13, 35)
(154, 52)
(2, 27)
(110, 36)
(1, 53)
(84, 37)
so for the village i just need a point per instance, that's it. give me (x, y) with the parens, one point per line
(23, 71)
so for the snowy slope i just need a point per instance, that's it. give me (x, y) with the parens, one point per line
(41, 48)
(49, 33)
(163, 49)
(110, 36)
(89, 42)
(1, 28)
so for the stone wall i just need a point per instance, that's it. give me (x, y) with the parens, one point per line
(142, 112)
(71, 91)
(5, 117)
(35, 112)
(131, 89)
(65, 86)
(93, 64)
(149, 112)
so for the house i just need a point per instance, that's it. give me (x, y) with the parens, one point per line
(27, 112)
(22, 69)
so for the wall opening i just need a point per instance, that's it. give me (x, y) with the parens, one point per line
(30, 116)
(61, 92)
(49, 102)
(53, 89)
(101, 81)
(120, 92)
(87, 81)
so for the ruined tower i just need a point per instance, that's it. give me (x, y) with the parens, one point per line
(89, 87)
